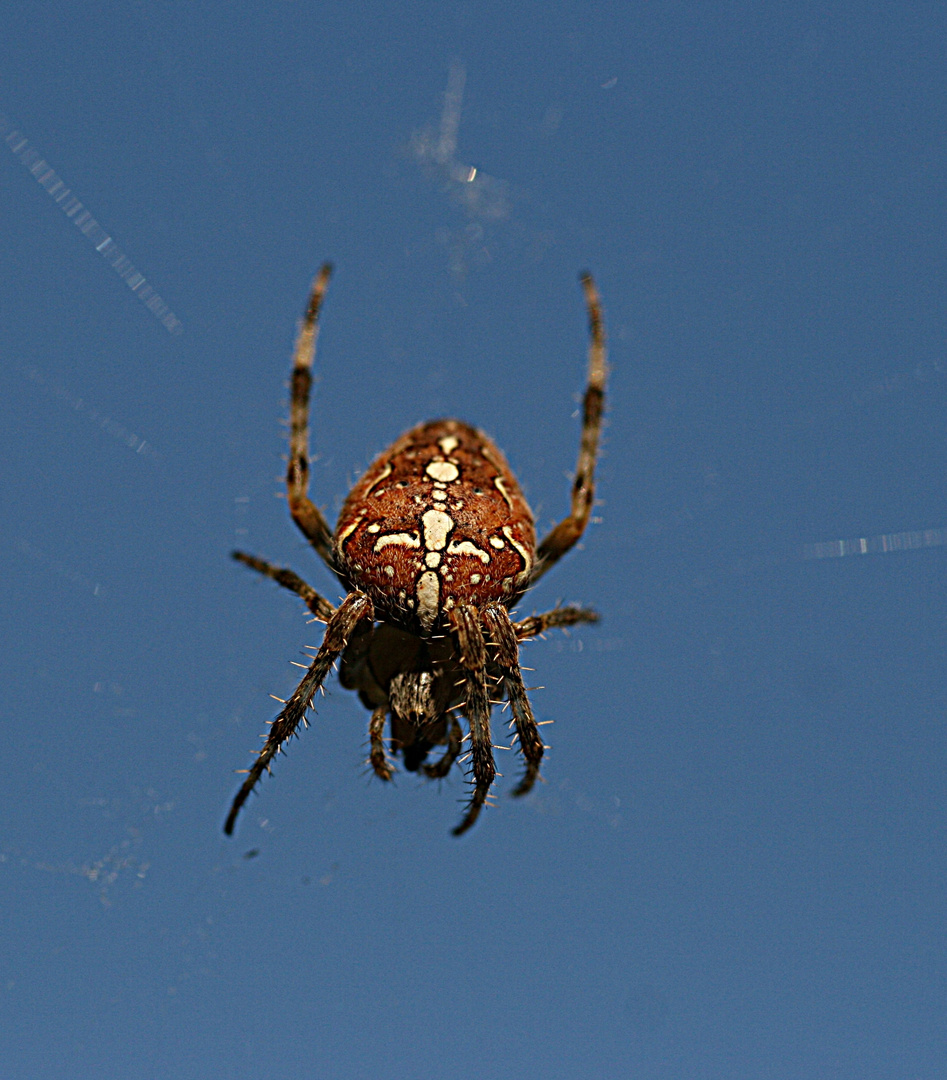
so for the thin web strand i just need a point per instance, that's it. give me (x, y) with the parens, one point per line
(876, 545)
(53, 185)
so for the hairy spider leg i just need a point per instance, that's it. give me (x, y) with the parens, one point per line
(378, 759)
(305, 513)
(562, 617)
(353, 609)
(472, 649)
(496, 620)
(317, 604)
(567, 533)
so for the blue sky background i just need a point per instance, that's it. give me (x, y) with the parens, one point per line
(735, 868)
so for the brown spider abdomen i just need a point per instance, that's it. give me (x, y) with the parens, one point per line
(437, 522)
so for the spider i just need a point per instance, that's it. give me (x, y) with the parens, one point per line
(433, 546)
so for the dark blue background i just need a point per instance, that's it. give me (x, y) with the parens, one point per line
(735, 868)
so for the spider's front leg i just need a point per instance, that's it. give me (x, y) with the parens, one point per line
(567, 533)
(305, 513)
(342, 623)
(465, 624)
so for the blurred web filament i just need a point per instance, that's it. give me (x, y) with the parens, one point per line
(484, 199)
(51, 182)
(876, 545)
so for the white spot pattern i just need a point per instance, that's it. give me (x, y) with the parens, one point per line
(465, 547)
(436, 526)
(445, 471)
(386, 471)
(429, 591)
(347, 532)
(408, 540)
(499, 485)
(521, 551)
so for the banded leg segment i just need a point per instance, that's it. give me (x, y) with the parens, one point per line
(570, 529)
(551, 620)
(472, 650)
(378, 759)
(496, 620)
(305, 513)
(318, 605)
(346, 617)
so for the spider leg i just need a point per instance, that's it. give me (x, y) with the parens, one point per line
(305, 513)
(472, 650)
(570, 529)
(442, 767)
(496, 619)
(549, 620)
(355, 607)
(318, 605)
(378, 759)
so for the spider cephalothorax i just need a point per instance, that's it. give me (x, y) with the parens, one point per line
(433, 546)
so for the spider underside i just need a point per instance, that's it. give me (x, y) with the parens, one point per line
(433, 546)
